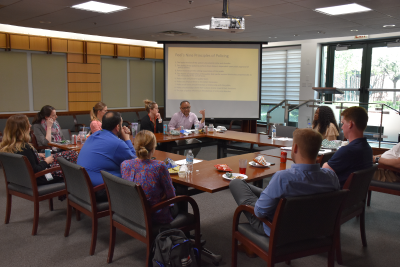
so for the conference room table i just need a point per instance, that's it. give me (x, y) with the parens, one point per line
(205, 177)
(222, 141)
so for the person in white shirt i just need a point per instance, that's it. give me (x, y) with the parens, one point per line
(390, 158)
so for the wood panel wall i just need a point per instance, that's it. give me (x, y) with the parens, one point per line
(83, 59)
(84, 81)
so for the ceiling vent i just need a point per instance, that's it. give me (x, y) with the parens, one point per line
(174, 33)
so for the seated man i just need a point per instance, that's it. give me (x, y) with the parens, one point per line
(357, 155)
(390, 158)
(105, 151)
(303, 178)
(186, 119)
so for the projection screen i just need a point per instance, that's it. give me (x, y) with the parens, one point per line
(222, 78)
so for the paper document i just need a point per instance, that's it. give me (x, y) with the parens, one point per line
(286, 148)
(283, 139)
(183, 161)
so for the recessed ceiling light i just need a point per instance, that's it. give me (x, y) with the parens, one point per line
(295, 35)
(343, 9)
(203, 27)
(388, 26)
(272, 37)
(355, 30)
(99, 7)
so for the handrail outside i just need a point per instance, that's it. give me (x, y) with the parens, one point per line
(287, 110)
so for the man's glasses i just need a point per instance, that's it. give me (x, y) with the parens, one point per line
(186, 108)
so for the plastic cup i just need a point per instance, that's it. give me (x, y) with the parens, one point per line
(82, 136)
(242, 166)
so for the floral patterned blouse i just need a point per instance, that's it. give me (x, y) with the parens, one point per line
(154, 178)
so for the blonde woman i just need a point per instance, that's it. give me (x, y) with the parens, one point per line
(16, 140)
(152, 175)
(152, 121)
(96, 115)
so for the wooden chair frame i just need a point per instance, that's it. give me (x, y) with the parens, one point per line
(35, 198)
(148, 240)
(269, 256)
(35, 143)
(356, 213)
(94, 214)
(381, 189)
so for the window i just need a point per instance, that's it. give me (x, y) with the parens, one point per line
(368, 72)
(280, 76)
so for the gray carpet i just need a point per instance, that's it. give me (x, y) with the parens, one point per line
(50, 248)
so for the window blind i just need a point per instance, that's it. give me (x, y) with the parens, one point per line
(280, 75)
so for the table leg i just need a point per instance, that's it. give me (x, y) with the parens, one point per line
(181, 190)
(221, 149)
(258, 183)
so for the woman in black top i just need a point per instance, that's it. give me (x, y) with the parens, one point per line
(152, 121)
(16, 140)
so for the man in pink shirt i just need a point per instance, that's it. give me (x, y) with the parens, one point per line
(187, 119)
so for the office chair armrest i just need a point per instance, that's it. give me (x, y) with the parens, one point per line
(41, 173)
(387, 167)
(99, 187)
(249, 209)
(177, 199)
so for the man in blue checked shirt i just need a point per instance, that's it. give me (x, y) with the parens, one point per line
(304, 178)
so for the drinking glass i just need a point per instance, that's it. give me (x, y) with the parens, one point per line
(242, 166)
(82, 136)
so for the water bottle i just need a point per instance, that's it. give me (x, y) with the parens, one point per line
(273, 131)
(309, 123)
(189, 161)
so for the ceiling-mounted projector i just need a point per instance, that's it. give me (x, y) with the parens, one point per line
(232, 24)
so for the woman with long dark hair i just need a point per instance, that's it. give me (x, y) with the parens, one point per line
(46, 127)
(325, 123)
(16, 140)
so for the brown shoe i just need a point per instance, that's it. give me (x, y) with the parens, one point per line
(242, 247)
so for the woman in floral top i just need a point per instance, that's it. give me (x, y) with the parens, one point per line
(152, 175)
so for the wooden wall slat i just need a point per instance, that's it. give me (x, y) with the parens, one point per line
(123, 50)
(81, 106)
(77, 58)
(92, 59)
(75, 46)
(149, 52)
(84, 87)
(107, 49)
(19, 41)
(84, 78)
(135, 51)
(160, 53)
(84, 97)
(59, 45)
(3, 41)
(86, 68)
(93, 48)
(38, 43)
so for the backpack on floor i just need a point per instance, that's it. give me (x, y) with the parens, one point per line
(173, 249)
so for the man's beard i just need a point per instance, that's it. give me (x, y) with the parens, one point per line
(120, 132)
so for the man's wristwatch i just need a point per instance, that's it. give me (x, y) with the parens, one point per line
(377, 159)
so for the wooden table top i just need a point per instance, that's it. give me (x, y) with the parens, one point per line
(276, 152)
(252, 138)
(207, 178)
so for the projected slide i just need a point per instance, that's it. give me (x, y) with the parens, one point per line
(222, 78)
(209, 74)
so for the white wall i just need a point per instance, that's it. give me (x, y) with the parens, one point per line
(310, 66)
